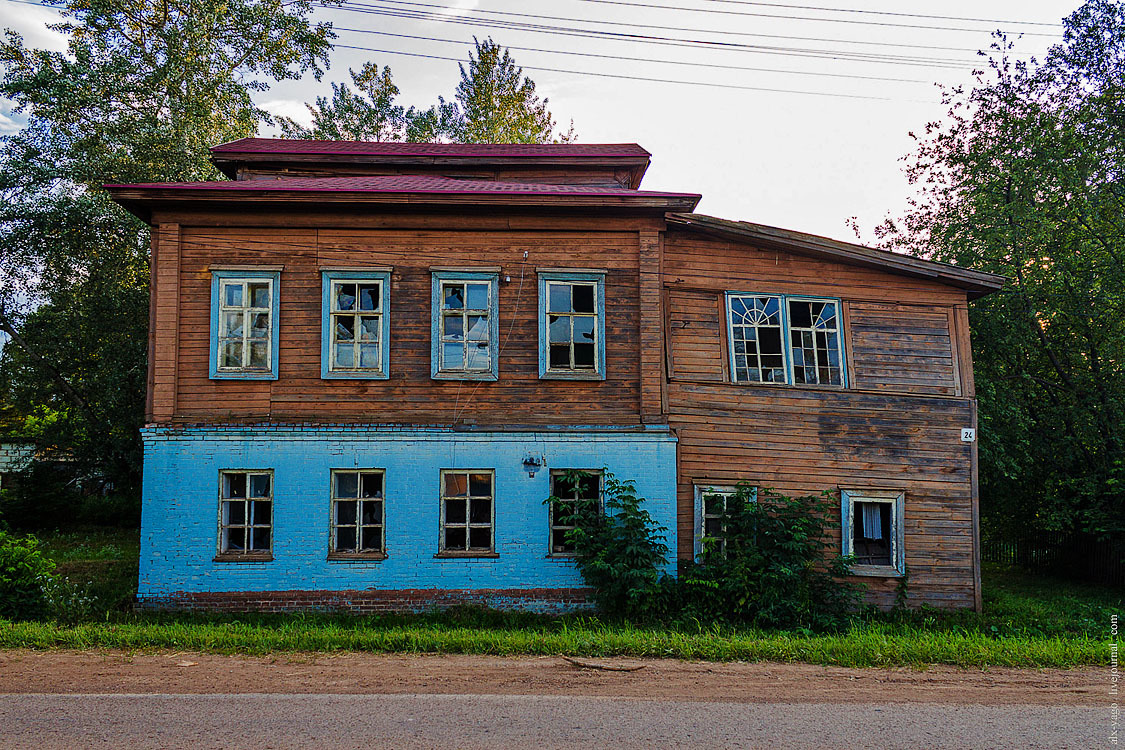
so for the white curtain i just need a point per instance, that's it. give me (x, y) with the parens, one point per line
(872, 520)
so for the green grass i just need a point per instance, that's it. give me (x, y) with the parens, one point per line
(1027, 622)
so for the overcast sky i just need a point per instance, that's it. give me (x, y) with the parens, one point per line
(811, 136)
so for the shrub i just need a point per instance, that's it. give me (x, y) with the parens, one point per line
(770, 569)
(25, 574)
(618, 548)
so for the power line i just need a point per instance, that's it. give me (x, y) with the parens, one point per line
(848, 55)
(621, 76)
(822, 8)
(647, 59)
(784, 17)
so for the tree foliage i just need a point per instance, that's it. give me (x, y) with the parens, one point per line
(494, 103)
(1026, 177)
(142, 91)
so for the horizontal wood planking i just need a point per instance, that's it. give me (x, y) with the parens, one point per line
(409, 395)
(801, 441)
(905, 348)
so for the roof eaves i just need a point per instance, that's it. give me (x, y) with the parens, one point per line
(977, 283)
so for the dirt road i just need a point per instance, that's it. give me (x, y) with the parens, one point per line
(188, 700)
(108, 672)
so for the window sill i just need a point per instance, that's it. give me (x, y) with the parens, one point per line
(466, 555)
(354, 375)
(236, 558)
(876, 571)
(356, 556)
(797, 386)
(483, 376)
(244, 375)
(577, 375)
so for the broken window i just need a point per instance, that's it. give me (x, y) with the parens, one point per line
(246, 513)
(756, 340)
(814, 339)
(465, 327)
(357, 513)
(356, 325)
(245, 319)
(467, 511)
(873, 530)
(712, 508)
(572, 327)
(573, 491)
(790, 340)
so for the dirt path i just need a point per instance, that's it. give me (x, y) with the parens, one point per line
(115, 672)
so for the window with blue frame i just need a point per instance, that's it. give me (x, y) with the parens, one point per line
(355, 332)
(785, 339)
(572, 325)
(244, 331)
(465, 330)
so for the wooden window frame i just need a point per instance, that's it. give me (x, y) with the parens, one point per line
(220, 278)
(225, 555)
(786, 340)
(329, 280)
(438, 279)
(897, 500)
(595, 279)
(467, 552)
(357, 553)
(701, 489)
(551, 525)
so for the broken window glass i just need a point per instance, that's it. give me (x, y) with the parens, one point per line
(465, 327)
(356, 325)
(357, 512)
(574, 490)
(814, 338)
(246, 512)
(244, 325)
(466, 511)
(572, 326)
(872, 539)
(756, 339)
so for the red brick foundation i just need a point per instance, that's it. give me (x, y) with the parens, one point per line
(402, 600)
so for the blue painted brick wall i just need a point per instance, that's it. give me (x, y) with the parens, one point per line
(179, 524)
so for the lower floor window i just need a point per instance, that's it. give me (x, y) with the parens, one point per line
(245, 512)
(712, 508)
(873, 529)
(357, 512)
(466, 511)
(571, 489)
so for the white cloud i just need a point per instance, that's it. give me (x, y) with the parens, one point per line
(288, 108)
(31, 21)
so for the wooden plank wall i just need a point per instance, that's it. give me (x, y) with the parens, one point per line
(409, 396)
(898, 427)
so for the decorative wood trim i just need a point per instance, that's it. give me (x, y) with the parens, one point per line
(356, 269)
(166, 334)
(465, 269)
(553, 269)
(245, 267)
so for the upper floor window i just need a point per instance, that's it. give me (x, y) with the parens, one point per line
(244, 324)
(355, 330)
(780, 339)
(572, 325)
(465, 331)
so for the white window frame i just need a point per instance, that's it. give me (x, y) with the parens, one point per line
(786, 339)
(357, 553)
(701, 515)
(897, 500)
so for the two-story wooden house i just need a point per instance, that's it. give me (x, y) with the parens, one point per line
(370, 362)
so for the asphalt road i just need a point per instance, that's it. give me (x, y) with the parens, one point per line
(455, 722)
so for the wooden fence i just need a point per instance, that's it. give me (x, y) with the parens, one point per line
(1078, 556)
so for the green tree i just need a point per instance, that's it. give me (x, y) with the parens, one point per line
(367, 114)
(1026, 177)
(494, 103)
(142, 91)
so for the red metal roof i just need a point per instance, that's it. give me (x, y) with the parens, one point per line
(425, 184)
(388, 148)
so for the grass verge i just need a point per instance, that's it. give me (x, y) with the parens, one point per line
(1027, 622)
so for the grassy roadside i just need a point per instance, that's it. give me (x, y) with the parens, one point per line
(1026, 623)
